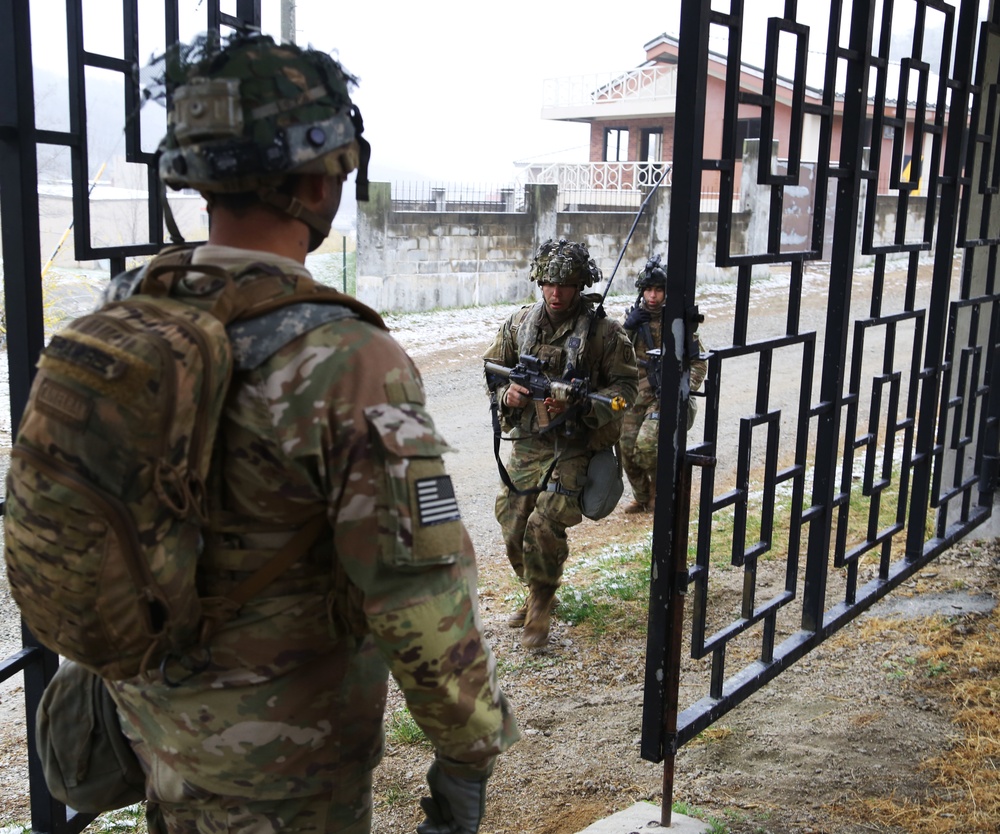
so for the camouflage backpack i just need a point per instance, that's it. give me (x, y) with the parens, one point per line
(107, 494)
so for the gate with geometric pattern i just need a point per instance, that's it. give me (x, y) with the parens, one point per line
(885, 453)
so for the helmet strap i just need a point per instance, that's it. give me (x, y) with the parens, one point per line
(287, 204)
(168, 216)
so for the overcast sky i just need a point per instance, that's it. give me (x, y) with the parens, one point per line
(452, 90)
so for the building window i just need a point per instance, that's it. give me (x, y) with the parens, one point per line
(747, 129)
(615, 144)
(651, 146)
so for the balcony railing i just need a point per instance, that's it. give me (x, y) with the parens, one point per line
(611, 90)
(590, 186)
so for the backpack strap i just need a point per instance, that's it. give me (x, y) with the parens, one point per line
(257, 339)
(257, 290)
(219, 610)
(266, 293)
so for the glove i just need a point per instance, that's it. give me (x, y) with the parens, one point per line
(636, 316)
(455, 806)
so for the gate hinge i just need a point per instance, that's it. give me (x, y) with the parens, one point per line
(681, 581)
(692, 319)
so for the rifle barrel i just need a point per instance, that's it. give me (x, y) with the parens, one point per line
(499, 370)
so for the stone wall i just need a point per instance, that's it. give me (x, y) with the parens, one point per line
(411, 261)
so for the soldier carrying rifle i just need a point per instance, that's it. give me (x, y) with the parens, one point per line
(642, 421)
(589, 362)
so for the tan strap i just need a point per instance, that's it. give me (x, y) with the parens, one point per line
(162, 277)
(296, 548)
(263, 298)
(217, 611)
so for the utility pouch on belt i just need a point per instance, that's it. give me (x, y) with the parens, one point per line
(604, 486)
(87, 761)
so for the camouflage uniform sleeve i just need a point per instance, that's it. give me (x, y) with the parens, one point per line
(399, 536)
(618, 375)
(503, 351)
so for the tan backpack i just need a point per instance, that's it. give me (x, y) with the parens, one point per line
(106, 493)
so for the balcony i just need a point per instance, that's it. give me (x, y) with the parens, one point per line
(642, 92)
(609, 186)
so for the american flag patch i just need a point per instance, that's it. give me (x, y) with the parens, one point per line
(436, 502)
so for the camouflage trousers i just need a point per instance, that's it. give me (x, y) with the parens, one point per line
(640, 433)
(639, 443)
(346, 810)
(534, 526)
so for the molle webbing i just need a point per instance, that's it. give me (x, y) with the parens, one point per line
(529, 337)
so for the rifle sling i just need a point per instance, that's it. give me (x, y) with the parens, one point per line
(504, 474)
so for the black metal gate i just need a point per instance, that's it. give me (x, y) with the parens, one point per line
(885, 452)
(22, 144)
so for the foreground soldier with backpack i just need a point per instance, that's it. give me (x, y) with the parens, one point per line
(257, 583)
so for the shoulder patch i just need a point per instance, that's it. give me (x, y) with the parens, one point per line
(436, 503)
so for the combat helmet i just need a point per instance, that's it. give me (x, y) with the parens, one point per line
(564, 263)
(652, 275)
(248, 112)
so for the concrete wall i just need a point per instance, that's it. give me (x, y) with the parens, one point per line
(411, 261)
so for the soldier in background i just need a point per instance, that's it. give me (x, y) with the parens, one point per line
(281, 730)
(552, 440)
(643, 323)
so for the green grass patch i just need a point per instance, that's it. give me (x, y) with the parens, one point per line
(715, 825)
(608, 592)
(400, 728)
(395, 794)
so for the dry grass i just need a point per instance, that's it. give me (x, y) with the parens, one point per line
(959, 664)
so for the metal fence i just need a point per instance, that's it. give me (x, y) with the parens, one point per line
(456, 197)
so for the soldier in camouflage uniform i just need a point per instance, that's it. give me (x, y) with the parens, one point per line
(552, 436)
(279, 727)
(643, 323)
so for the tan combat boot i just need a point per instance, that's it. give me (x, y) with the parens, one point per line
(516, 620)
(536, 622)
(651, 504)
(636, 507)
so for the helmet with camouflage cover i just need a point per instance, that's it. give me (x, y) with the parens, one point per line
(564, 263)
(652, 275)
(248, 112)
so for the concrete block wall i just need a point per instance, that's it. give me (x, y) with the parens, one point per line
(412, 261)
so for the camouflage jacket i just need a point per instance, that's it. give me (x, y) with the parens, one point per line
(646, 337)
(607, 360)
(295, 686)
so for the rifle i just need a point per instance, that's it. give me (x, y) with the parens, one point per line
(529, 373)
(653, 367)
